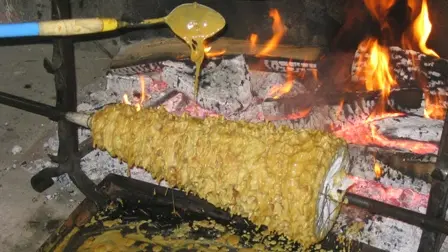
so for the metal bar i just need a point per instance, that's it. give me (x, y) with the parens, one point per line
(398, 213)
(438, 196)
(441, 171)
(31, 106)
(63, 66)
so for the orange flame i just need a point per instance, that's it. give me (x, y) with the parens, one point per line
(434, 106)
(278, 90)
(209, 54)
(142, 98)
(422, 28)
(278, 29)
(253, 41)
(378, 170)
(126, 99)
(376, 73)
(142, 88)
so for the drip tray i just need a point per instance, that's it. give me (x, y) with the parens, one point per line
(148, 217)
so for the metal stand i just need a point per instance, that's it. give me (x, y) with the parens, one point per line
(68, 158)
(438, 196)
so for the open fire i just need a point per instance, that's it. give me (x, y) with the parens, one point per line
(376, 73)
(358, 131)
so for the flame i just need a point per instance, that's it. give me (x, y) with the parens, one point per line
(253, 41)
(378, 170)
(209, 54)
(142, 88)
(366, 134)
(143, 95)
(278, 29)
(422, 27)
(278, 90)
(376, 73)
(126, 99)
(434, 106)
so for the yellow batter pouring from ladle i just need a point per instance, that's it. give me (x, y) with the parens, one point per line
(194, 23)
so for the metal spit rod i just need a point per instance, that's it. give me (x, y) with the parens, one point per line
(31, 106)
(373, 206)
(42, 109)
(398, 213)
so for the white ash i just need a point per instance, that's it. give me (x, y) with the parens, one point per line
(411, 127)
(16, 149)
(383, 233)
(224, 87)
(98, 164)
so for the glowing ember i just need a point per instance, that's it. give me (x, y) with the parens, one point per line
(400, 197)
(366, 134)
(301, 114)
(434, 106)
(278, 29)
(278, 90)
(378, 170)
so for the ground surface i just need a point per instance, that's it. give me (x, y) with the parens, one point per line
(27, 217)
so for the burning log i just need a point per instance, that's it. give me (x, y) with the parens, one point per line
(228, 164)
(411, 127)
(226, 81)
(416, 74)
(240, 91)
(410, 164)
(149, 56)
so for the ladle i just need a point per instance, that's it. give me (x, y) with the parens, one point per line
(192, 22)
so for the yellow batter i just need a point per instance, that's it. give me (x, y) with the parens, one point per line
(195, 23)
(271, 176)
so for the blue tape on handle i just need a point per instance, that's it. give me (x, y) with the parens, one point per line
(19, 30)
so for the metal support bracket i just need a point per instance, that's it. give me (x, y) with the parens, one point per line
(438, 196)
(62, 66)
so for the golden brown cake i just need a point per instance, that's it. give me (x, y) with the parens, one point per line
(273, 176)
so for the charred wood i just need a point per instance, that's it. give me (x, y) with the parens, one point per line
(410, 164)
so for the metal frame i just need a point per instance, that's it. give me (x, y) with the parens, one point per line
(62, 66)
(70, 151)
